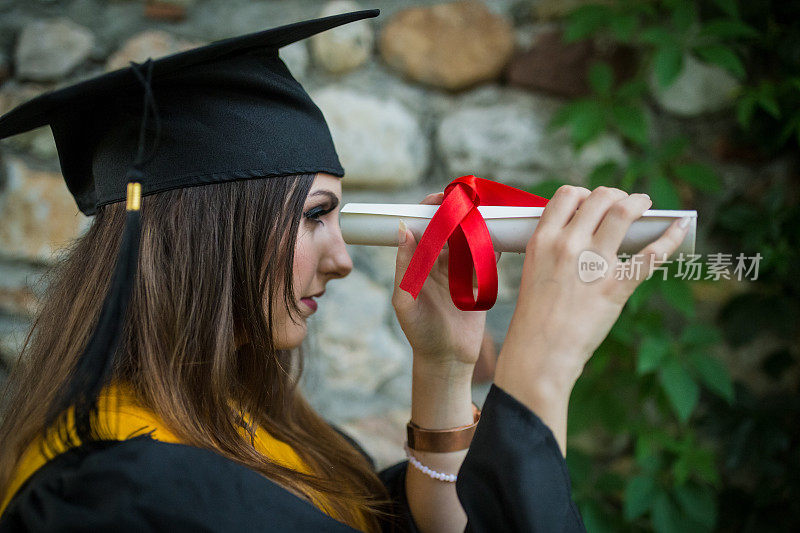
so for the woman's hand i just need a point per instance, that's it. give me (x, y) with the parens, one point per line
(560, 320)
(446, 342)
(440, 334)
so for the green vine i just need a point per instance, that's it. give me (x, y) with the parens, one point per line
(650, 417)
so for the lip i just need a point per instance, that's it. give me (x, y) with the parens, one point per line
(310, 303)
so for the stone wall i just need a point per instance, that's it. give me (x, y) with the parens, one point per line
(423, 94)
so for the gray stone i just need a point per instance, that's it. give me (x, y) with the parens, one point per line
(501, 135)
(452, 45)
(378, 262)
(39, 141)
(13, 331)
(606, 147)
(295, 56)
(344, 48)
(21, 287)
(147, 44)
(700, 88)
(49, 50)
(381, 436)
(353, 352)
(5, 67)
(38, 215)
(379, 141)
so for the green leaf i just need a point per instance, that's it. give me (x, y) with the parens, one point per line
(704, 464)
(623, 26)
(585, 21)
(713, 374)
(676, 291)
(652, 351)
(593, 518)
(639, 496)
(681, 469)
(745, 107)
(729, 7)
(673, 148)
(700, 176)
(601, 77)
(562, 115)
(545, 188)
(668, 63)
(722, 56)
(587, 122)
(641, 294)
(646, 453)
(631, 89)
(580, 464)
(665, 515)
(658, 36)
(603, 174)
(663, 193)
(631, 122)
(727, 29)
(683, 15)
(681, 390)
(766, 100)
(788, 128)
(696, 335)
(649, 322)
(698, 504)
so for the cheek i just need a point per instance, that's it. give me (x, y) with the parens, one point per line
(305, 262)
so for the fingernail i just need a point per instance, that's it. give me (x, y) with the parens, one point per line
(684, 222)
(401, 232)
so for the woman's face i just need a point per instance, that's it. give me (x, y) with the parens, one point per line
(320, 255)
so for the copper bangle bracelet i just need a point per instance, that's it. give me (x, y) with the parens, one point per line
(442, 440)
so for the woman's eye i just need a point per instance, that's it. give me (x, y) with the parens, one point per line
(315, 213)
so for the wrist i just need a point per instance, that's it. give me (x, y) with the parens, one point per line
(536, 377)
(441, 398)
(444, 371)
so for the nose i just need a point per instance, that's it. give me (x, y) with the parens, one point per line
(338, 263)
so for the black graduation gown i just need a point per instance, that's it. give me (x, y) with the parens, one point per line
(513, 479)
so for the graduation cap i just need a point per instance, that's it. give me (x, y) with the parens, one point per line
(226, 111)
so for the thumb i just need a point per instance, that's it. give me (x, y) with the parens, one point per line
(405, 250)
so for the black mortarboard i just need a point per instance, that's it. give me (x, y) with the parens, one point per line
(226, 111)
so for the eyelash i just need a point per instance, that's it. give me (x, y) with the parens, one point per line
(315, 213)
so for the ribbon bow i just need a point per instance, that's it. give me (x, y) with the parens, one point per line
(459, 222)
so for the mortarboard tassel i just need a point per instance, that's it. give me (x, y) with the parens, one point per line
(95, 365)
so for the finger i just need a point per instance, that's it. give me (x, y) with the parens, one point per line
(561, 207)
(655, 253)
(405, 250)
(588, 216)
(615, 225)
(433, 199)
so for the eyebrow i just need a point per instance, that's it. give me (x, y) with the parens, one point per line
(324, 192)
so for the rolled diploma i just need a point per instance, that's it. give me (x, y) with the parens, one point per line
(510, 227)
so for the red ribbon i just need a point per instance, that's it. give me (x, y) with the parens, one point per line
(459, 222)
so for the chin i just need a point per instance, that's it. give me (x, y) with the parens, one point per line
(292, 337)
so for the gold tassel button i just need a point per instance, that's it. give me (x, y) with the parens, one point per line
(134, 196)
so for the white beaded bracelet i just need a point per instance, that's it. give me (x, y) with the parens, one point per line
(449, 478)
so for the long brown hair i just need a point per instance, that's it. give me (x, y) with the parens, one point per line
(215, 261)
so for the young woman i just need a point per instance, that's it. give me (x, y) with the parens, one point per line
(200, 424)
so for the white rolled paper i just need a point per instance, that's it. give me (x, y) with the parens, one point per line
(509, 226)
